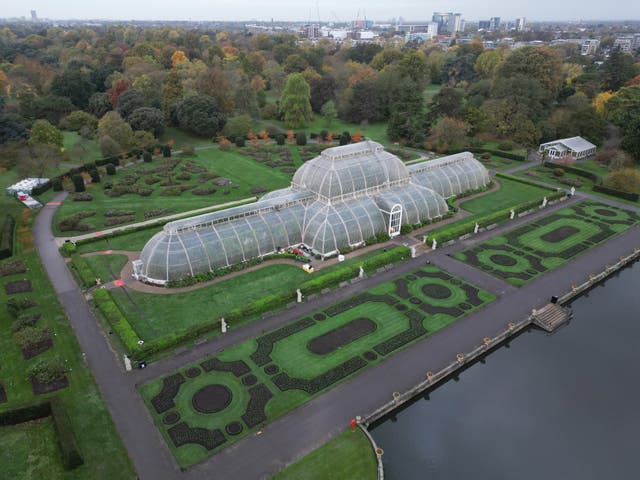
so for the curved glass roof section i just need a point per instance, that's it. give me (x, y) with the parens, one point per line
(350, 171)
(450, 175)
(339, 199)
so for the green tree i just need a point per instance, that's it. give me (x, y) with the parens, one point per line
(488, 61)
(99, 104)
(200, 114)
(413, 65)
(78, 119)
(329, 112)
(148, 119)
(450, 132)
(295, 105)
(407, 121)
(624, 111)
(129, 101)
(543, 64)
(238, 126)
(447, 102)
(13, 127)
(618, 69)
(43, 133)
(113, 126)
(74, 84)
(627, 180)
(172, 93)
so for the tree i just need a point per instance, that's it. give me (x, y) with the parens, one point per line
(238, 126)
(13, 127)
(37, 160)
(200, 114)
(42, 132)
(294, 103)
(109, 147)
(449, 132)
(329, 112)
(118, 87)
(624, 111)
(172, 92)
(245, 99)
(413, 65)
(627, 180)
(148, 119)
(543, 64)
(78, 119)
(359, 103)
(447, 102)
(49, 107)
(323, 89)
(407, 121)
(74, 84)
(129, 101)
(113, 126)
(488, 61)
(99, 104)
(178, 57)
(295, 63)
(618, 69)
(386, 57)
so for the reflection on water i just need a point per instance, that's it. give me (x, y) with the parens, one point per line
(565, 406)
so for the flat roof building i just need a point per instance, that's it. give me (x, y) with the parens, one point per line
(577, 147)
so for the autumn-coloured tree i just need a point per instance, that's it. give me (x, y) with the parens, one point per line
(264, 135)
(117, 88)
(356, 137)
(224, 143)
(634, 81)
(290, 136)
(600, 102)
(252, 137)
(258, 83)
(330, 138)
(178, 57)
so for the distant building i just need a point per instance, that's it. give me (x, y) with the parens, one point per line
(577, 147)
(424, 31)
(521, 24)
(311, 31)
(34, 16)
(589, 46)
(448, 22)
(624, 43)
(492, 24)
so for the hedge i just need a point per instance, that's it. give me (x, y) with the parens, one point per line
(25, 413)
(117, 320)
(577, 171)
(71, 457)
(40, 189)
(634, 197)
(456, 231)
(497, 153)
(87, 276)
(525, 181)
(6, 237)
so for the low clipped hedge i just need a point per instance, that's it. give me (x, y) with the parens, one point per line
(71, 457)
(6, 237)
(634, 197)
(82, 268)
(456, 231)
(117, 320)
(497, 153)
(40, 189)
(525, 181)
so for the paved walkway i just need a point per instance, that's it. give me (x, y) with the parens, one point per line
(308, 427)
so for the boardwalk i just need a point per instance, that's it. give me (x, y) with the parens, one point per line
(308, 427)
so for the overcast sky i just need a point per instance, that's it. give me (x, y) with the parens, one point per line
(329, 10)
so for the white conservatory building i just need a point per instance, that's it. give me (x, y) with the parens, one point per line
(578, 147)
(339, 199)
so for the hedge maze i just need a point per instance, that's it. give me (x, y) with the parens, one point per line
(209, 405)
(533, 249)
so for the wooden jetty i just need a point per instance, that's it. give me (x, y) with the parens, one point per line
(551, 317)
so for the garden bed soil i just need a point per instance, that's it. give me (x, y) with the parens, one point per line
(42, 388)
(341, 336)
(18, 286)
(36, 349)
(560, 234)
(212, 398)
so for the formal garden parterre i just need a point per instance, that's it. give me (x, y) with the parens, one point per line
(209, 405)
(531, 250)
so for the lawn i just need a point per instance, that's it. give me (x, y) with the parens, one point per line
(134, 241)
(497, 163)
(206, 170)
(531, 250)
(209, 405)
(101, 448)
(184, 139)
(81, 151)
(568, 179)
(107, 267)
(154, 315)
(495, 145)
(348, 456)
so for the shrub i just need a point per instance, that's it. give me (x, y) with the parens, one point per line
(28, 336)
(558, 172)
(26, 413)
(72, 222)
(24, 320)
(188, 150)
(68, 248)
(147, 157)
(239, 141)
(57, 184)
(78, 183)
(506, 146)
(15, 306)
(47, 370)
(301, 139)
(40, 189)
(166, 151)
(117, 320)
(485, 155)
(111, 169)
(280, 139)
(82, 197)
(6, 237)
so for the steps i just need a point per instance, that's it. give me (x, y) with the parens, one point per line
(551, 317)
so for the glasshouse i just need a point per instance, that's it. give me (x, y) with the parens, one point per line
(339, 199)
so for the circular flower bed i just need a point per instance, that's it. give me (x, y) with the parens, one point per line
(234, 428)
(271, 369)
(437, 291)
(212, 398)
(171, 418)
(504, 260)
(249, 380)
(401, 307)
(193, 372)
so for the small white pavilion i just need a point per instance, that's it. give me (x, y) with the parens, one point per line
(577, 147)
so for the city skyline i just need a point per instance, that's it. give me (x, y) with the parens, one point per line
(325, 11)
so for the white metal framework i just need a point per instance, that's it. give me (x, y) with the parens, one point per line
(340, 199)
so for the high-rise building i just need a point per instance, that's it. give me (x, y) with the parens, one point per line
(34, 16)
(492, 24)
(589, 47)
(521, 24)
(448, 22)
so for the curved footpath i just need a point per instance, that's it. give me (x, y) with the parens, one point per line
(308, 427)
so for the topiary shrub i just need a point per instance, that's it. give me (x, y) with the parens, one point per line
(239, 141)
(485, 156)
(47, 370)
(506, 146)
(166, 151)
(558, 172)
(280, 139)
(57, 184)
(301, 139)
(147, 157)
(78, 183)
(111, 169)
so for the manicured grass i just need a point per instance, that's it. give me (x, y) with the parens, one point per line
(373, 131)
(30, 450)
(495, 145)
(134, 241)
(103, 453)
(89, 149)
(153, 315)
(348, 456)
(244, 173)
(496, 162)
(531, 250)
(294, 363)
(107, 267)
(509, 194)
